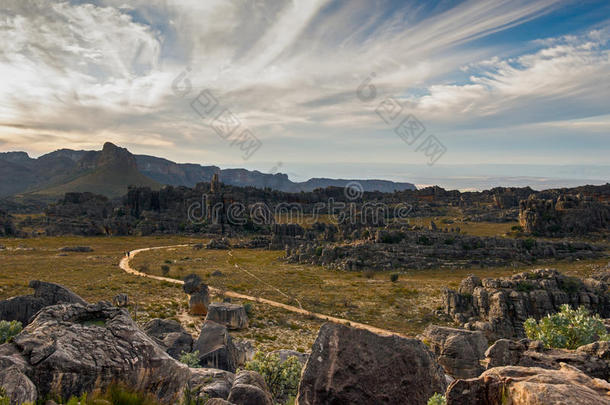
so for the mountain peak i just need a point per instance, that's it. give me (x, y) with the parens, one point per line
(117, 157)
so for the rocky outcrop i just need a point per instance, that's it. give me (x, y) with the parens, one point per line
(498, 307)
(23, 307)
(459, 351)
(7, 226)
(170, 335)
(200, 295)
(419, 249)
(593, 359)
(283, 235)
(563, 216)
(354, 366)
(13, 376)
(219, 243)
(215, 346)
(211, 383)
(530, 386)
(233, 316)
(249, 388)
(78, 214)
(70, 349)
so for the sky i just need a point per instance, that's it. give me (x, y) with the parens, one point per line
(313, 86)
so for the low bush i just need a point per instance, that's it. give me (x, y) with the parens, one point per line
(164, 270)
(567, 329)
(437, 399)
(282, 378)
(190, 359)
(8, 330)
(394, 277)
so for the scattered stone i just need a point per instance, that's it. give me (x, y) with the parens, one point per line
(250, 388)
(354, 366)
(530, 386)
(233, 316)
(459, 351)
(23, 307)
(215, 346)
(217, 273)
(170, 335)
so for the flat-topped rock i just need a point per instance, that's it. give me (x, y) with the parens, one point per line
(233, 316)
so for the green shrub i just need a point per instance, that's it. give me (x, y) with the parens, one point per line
(249, 308)
(516, 228)
(9, 329)
(281, 378)
(437, 399)
(567, 329)
(165, 269)
(529, 243)
(525, 286)
(319, 251)
(394, 277)
(190, 359)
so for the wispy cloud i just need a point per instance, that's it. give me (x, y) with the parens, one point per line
(82, 72)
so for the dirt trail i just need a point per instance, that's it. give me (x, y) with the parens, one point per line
(125, 266)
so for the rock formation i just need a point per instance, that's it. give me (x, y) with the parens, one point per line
(216, 348)
(170, 335)
(565, 215)
(23, 307)
(233, 316)
(200, 295)
(69, 349)
(459, 351)
(354, 366)
(530, 386)
(498, 307)
(249, 388)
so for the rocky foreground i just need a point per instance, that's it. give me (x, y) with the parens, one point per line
(69, 347)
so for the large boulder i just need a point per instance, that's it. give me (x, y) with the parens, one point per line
(459, 351)
(211, 383)
(23, 307)
(355, 366)
(73, 348)
(200, 295)
(170, 335)
(215, 347)
(530, 386)
(13, 376)
(250, 388)
(233, 316)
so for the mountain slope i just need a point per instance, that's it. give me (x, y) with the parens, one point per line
(111, 170)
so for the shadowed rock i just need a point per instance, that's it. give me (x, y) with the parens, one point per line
(459, 351)
(170, 335)
(354, 366)
(211, 383)
(23, 307)
(233, 316)
(215, 346)
(250, 388)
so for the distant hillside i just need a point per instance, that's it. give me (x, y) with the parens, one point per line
(111, 170)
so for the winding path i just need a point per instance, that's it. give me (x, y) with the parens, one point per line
(124, 264)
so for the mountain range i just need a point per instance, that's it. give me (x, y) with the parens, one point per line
(111, 170)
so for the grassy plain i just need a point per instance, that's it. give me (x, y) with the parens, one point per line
(404, 306)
